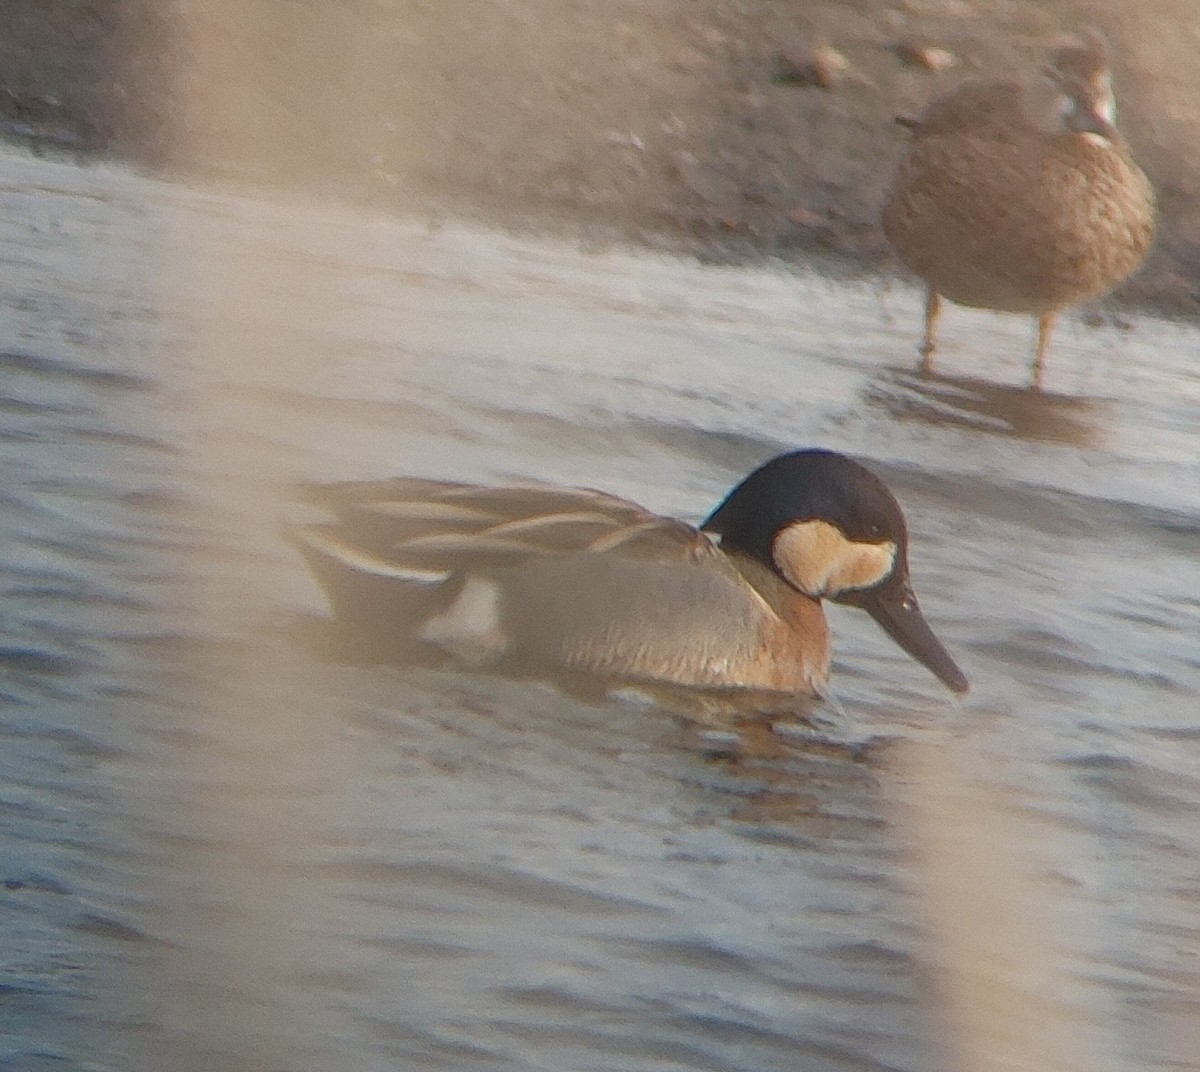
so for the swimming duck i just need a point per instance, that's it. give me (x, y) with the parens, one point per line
(544, 576)
(1021, 196)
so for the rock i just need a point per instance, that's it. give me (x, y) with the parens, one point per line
(925, 56)
(823, 67)
(805, 217)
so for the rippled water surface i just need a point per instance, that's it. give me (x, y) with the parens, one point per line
(226, 846)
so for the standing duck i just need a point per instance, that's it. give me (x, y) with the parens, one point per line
(1021, 196)
(533, 576)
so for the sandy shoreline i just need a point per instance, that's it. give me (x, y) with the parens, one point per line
(724, 130)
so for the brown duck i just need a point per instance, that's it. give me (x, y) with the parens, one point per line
(1021, 196)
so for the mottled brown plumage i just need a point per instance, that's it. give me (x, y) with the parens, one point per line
(1021, 196)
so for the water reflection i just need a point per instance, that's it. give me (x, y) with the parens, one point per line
(997, 408)
(240, 849)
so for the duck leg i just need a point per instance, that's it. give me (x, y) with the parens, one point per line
(933, 307)
(1045, 326)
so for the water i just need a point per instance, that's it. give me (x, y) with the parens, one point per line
(223, 847)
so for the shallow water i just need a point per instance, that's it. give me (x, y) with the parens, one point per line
(224, 847)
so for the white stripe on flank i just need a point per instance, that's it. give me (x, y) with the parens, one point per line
(541, 521)
(469, 629)
(356, 558)
(425, 510)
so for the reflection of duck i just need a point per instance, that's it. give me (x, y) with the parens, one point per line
(568, 577)
(1021, 196)
(995, 408)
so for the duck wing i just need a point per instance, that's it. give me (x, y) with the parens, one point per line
(402, 544)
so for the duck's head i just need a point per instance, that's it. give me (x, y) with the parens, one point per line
(831, 530)
(1076, 94)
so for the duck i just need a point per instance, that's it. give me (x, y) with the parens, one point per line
(544, 577)
(1021, 196)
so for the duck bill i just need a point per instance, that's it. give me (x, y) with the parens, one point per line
(895, 608)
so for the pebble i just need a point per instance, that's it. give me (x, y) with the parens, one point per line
(927, 57)
(824, 67)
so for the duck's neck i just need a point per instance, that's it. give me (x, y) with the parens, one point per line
(804, 639)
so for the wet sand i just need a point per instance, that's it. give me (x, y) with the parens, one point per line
(665, 124)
